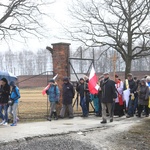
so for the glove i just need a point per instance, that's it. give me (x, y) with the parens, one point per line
(47, 92)
(10, 102)
(132, 96)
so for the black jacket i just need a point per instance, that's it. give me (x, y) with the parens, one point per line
(82, 89)
(108, 91)
(68, 93)
(100, 92)
(4, 94)
(132, 85)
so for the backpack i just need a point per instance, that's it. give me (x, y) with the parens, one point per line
(11, 101)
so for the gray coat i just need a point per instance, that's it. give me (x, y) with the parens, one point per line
(143, 95)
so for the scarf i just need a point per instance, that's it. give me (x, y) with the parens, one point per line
(119, 95)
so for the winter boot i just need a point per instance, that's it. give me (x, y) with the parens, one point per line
(50, 117)
(55, 115)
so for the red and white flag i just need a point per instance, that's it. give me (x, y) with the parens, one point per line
(48, 86)
(92, 85)
(45, 89)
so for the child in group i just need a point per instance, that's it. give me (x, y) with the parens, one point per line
(54, 94)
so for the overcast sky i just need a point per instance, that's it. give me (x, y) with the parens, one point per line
(59, 14)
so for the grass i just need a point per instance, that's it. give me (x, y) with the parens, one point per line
(33, 105)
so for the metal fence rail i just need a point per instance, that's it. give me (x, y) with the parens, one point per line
(35, 106)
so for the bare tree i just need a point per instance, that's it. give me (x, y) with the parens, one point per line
(123, 25)
(22, 17)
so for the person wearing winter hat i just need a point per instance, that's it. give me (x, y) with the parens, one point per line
(68, 94)
(13, 102)
(143, 98)
(130, 84)
(4, 97)
(52, 80)
(81, 89)
(109, 96)
(53, 94)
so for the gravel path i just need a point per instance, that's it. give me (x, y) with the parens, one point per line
(107, 137)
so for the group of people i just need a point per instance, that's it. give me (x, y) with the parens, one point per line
(9, 98)
(114, 97)
(53, 93)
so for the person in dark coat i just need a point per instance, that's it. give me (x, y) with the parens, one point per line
(136, 96)
(68, 94)
(108, 97)
(131, 84)
(81, 89)
(87, 92)
(101, 80)
(4, 98)
(143, 98)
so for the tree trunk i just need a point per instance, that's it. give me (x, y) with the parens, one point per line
(128, 67)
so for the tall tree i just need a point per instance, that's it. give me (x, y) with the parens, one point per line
(123, 25)
(21, 17)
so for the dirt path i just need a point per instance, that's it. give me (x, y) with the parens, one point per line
(122, 134)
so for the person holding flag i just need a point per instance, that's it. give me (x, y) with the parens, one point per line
(94, 90)
(92, 84)
(53, 93)
(48, 86)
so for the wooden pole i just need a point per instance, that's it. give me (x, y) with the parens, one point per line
(114, 59)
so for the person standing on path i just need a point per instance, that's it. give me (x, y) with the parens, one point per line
(108, 97)
(81, 89)
(14, 96)
(4, 97)
(119, 104)
(143, 98)
(53, 94)
(131, 84)
(68, 94)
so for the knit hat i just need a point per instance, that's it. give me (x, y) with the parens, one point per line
(66, 79)
(52, 80)
(81, 79)
(12, 83)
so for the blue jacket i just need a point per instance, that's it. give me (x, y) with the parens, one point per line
(53, 93)
(15, 94)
